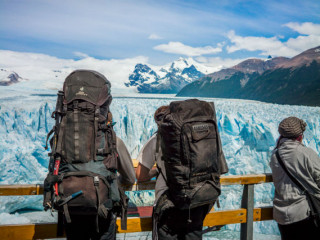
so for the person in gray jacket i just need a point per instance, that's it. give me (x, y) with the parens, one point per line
(291, 209)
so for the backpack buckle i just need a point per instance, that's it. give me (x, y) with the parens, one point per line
(60, 177)
(96, 180)
(75, 104)
(65, 109)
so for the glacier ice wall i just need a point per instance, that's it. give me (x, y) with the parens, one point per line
(248, 132)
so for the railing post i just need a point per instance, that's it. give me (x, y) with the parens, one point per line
(247, 203)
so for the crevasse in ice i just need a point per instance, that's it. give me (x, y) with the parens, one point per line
(248, 132)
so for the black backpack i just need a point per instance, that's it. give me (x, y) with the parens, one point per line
(189, 140)
(82, 178)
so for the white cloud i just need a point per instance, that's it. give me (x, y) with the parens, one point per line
(306, 28)
(269, 46)
(302, 43)
(273, 46)
(216, 63)
(81, 55)
(180, 48)
(154, 36)
(49, 72)
(309, 39)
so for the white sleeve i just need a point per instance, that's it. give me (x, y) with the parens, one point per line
(125, 166)
(146, 155)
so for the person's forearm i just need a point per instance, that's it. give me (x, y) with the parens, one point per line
(144, 174)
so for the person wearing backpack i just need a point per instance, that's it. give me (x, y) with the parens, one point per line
(85, 161)
(296, 177)
(189, 161)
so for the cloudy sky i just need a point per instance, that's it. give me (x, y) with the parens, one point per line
(212, 32)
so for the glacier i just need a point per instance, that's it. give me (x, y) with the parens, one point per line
(248, 132)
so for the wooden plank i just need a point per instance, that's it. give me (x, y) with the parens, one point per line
(45, 230)
(27, 232)
(236, 179)
(225, 217)
(25, 189)
(135, 163)
(148, 185)
(224, 180)
(263, 214)
(145, 211)
(37, 189)
(246, 179)
(136, 224)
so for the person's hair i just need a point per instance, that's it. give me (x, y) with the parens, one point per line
(160, 112)
(299, 139)
(278, 142)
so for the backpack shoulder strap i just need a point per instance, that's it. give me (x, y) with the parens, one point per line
(124, 208)
(157, 145)
(293, 179)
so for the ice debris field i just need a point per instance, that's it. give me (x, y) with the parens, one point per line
(248, 132)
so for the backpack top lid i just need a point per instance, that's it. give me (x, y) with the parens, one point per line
(86, 85)
(191, 109)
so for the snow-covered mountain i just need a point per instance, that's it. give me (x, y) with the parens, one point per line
(167, 79)
(9, 77)
(46, 73)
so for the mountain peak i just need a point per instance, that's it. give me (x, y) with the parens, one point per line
(258, 65)
(9, 77)
(250, 65)
(167, 79)
(181, 63)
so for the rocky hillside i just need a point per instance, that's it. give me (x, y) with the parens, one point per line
(278, 80)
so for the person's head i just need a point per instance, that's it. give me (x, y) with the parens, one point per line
(292, 128)
(159, 113)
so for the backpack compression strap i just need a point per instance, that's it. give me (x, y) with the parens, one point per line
(76, 131)
(156, 157)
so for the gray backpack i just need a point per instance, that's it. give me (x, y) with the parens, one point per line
(82, 178)
(190, 144)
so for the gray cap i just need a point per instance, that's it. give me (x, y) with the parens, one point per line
(292, 127)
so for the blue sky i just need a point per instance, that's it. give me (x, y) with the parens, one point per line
(162, 31)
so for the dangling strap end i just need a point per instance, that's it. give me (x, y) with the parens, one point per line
(124, 216)
(66, 213)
